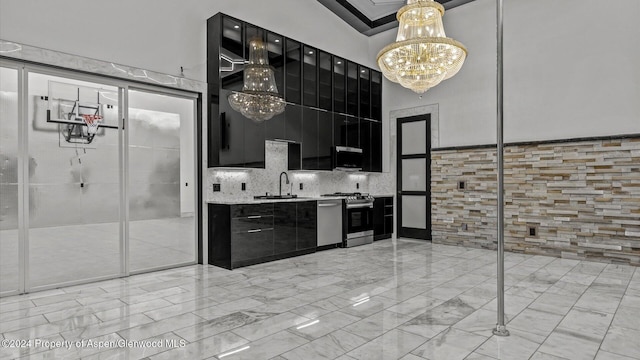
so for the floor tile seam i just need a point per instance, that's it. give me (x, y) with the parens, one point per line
(611, 322)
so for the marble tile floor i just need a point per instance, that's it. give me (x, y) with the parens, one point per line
(394, 299)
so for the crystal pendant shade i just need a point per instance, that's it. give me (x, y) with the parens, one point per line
(422, 55)
(259, 99)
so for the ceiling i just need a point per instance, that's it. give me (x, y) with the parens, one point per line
(373, 16)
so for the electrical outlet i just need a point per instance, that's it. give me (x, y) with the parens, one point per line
(464, 227)
(216, 187)
(301, 186)
(357, 185)
(244, 186)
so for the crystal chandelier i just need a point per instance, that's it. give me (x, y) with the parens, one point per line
(422, 55)
(259, 99)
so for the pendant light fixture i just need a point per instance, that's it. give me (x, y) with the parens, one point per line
(422, 55)
(259, 99)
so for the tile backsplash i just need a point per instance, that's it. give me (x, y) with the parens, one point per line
(262, 181)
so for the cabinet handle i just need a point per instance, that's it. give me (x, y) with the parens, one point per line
(254, 231)
(254, 217)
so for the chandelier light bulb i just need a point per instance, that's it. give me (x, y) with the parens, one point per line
(259, 99)
(421, 41)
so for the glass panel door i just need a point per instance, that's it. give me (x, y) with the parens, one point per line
(9, 135)
(161, 182)
(74, 180)
(414, 174)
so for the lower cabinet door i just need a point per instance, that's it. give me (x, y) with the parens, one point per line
(251, 244)
(307, 219)
(284, 227)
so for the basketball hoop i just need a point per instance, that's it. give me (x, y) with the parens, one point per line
(93, 122)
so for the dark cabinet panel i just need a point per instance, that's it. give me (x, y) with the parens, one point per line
(378, 217)
(352, 88)
(365, 92)
(310, 76)
(346, 131)
(325, 140)
(307, 219)
(382, 217)
(254, 143)
(252, 244)
(339, 85)
(376, 95)
(325, 77)
(365, 143)
(231, 126)
(293, 129)
(284, 227)
(309, 139)
(376, 146)
(293, 71)
(231, 54)
(246, 210)
(275, 50)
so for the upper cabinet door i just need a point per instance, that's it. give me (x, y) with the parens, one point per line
(325, 77)
(231, 54)
(339, 85)
(365, 92)
(293, 71)
(310, 76)
(352, 88)
(275, 47)
(325, 81)
(376, 95)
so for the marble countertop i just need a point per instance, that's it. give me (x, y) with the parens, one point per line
(262, 201)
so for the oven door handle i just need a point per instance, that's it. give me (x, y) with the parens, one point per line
(355, 206)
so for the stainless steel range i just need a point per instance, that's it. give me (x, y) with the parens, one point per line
(358, 217)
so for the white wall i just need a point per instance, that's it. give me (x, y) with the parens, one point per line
(543, 99)
(163, 35)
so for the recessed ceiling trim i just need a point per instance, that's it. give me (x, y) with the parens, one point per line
(364, 23)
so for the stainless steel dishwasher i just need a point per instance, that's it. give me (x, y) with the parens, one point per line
(329, 222)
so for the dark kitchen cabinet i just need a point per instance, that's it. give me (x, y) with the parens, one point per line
(346, 130)
(339, 85)
(325, 93)
(309, 139)
(284, 229)
(352, 88)
(365, 143)
(365, 92)
(325, 140)
(307, 225)
(293, 71)
(325, 81)
(382, 218)
(310, 76)
(376, 95)
(231, 51)
(246, 234)
(376, 146)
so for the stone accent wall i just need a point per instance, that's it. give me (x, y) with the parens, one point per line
(583, 198)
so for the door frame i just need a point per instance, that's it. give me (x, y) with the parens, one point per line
(413, 233)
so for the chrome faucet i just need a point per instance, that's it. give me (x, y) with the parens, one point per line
(286, 177)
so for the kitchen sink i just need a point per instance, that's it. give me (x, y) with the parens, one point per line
(275, 197)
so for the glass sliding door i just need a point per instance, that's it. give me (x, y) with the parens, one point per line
(74, 199)
(9, 192)
(160, 180)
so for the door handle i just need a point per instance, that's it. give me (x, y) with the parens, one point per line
(254, 217)
(254, 231)
(327, 205)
